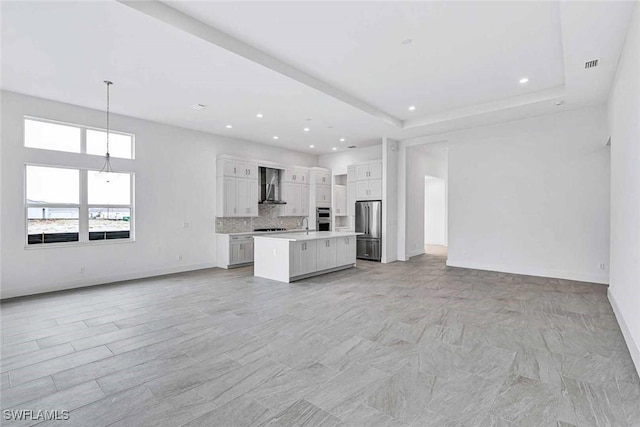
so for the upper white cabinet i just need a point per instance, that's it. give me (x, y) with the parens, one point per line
(237, 188)
(323, 177)
(369, 171)
(323, 195)
(340, 199)
(297, 175)
(322, 187)
(237, 168)
(369, 181)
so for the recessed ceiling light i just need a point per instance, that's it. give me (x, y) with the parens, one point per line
(341, 139)
(312, 146)
(306, 129)
(198, 106)
(524, 80)
(228, 126)
(259, 115)
(412, 108)
(334, 148)
(275, 137)
(407, 41)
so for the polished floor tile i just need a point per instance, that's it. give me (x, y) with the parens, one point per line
(402, 344)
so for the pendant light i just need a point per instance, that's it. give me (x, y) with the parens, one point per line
(106, 168)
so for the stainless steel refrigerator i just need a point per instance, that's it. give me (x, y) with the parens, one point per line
(369, 222)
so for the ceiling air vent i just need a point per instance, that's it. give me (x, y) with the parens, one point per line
(351, 146)
(591, 64)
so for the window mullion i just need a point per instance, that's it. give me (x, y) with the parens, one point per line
(84, 210)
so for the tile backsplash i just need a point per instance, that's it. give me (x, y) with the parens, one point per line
(267, 218)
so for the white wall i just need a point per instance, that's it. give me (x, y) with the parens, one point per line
(435, 208)
(624, 125)
(421, 160)
(389, 200)
(175, 183)
(338, 162)
(529, 196)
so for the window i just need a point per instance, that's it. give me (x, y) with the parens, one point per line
(109, 203)
(120, 145)
(51, 136)
(39, 133)
(71, 204)
(53, 205)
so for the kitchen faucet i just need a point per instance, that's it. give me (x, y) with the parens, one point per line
(302, 223)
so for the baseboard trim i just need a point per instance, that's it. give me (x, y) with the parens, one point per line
(633, 347)
(102, 280)
(556, 274)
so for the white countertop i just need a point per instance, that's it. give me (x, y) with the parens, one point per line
(256, 233)
(313, 235)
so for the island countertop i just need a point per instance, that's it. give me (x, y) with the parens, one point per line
(303, 236)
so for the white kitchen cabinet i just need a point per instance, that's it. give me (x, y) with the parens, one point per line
(323, 195)
(352, 171)
(326, 254)
(369, 171)
(247, 197)
(345, 250)
(288, 257)
(323, 178)
(304, 205)
(227, 197)
(297, 198)
(237, 188)
(296, 175)
(351, 198)
(340, 199)
(369, 181)
(237, 168)
(292, 194)
(303, 258)
(233, 251)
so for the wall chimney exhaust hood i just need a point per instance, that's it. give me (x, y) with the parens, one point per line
(270, 186)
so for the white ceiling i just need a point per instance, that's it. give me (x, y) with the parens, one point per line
(340, 64)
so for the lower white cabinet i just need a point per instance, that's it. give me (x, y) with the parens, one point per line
(345, 250)
(326, 254)
(302, 258)
(233, 251)
(286, 258)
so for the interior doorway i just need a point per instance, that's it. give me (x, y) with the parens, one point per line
(435, 215)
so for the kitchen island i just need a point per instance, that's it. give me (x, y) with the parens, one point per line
(287, 257)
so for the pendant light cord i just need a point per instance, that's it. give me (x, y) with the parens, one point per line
(107, 161)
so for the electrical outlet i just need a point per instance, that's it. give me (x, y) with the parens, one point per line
(185, 225)
(82, 270)
(179, 257)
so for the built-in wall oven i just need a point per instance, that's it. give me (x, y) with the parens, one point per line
(323, 219)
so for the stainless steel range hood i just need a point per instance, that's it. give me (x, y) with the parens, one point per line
(270, 186)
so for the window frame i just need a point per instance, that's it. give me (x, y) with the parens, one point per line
(83, 210)
(69, 160)
(83, 137)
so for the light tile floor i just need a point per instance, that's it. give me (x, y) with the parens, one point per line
(411, 343)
